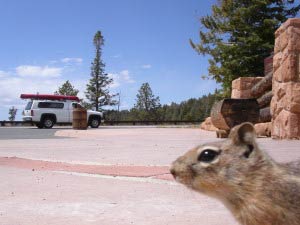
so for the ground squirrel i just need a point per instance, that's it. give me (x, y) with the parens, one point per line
(255, 188)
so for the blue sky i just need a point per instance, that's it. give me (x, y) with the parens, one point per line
(44, 43)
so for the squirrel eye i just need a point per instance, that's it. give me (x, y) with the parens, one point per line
(207, 155)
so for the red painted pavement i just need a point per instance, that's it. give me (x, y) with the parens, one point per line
(157, 172)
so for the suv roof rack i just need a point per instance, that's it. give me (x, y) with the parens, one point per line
(49, 97)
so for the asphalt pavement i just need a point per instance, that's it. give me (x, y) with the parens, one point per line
(8, 133)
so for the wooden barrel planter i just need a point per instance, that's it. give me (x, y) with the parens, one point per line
(229, 112)
(79, 119)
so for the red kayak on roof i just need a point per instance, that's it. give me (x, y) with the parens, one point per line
(49, 97)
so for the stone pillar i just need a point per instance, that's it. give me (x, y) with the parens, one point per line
(285, 104)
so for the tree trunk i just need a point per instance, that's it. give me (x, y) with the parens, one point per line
(262, 86)
(265, 100)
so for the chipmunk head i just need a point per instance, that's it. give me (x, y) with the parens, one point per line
(213, 168)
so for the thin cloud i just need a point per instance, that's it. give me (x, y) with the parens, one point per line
(115, 82)
(53, 61)
(3, 73)
(11, 87)
(121, 78)
(117, 56)
(38, 71)
(146, 66)
(72, 60)
(124, 74)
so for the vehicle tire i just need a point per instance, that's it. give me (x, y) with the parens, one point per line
(39, 125)
(94, 122)
(48, 122)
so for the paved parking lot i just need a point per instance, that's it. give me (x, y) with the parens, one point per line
(27, 133)
(111, 175)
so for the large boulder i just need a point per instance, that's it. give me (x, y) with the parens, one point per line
(263, 129)
(207, 125)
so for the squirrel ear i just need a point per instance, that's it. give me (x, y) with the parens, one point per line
(243, 133)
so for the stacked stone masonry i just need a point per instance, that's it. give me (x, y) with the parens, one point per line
(241, 87)
(285, 104)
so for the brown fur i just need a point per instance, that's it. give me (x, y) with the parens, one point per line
(256, 189)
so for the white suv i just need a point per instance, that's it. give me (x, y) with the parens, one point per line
(46, 113)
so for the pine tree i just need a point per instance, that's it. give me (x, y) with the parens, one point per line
(191, 109)
(97, 91)
(146, 103)
(67, 89)
(12, 112)
(239, 34)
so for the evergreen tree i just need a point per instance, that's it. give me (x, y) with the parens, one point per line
(12, 112)
(192, 109)
(67, 89)
(146, 103)
(97, 91)
(239, 34)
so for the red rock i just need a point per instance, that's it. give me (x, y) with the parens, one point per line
(286, 126)
(293, 92)
(207, 125)
(289, 69)
(293, 44)
(293, 107)
(235, 93)
(284, 40)
(263, 129)
(241, 87)
(277, 45)
(279, 31)
(295, 22)
(276, 61)
(285, 104)
(286, 96)
(245, 93)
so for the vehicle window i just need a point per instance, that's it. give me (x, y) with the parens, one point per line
(28, 106)
(55, 105)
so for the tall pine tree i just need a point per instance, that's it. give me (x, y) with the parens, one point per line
(239, 34)
(147, 104)
(67, 89)
(97, 90)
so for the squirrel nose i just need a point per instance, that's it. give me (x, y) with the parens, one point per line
(173, 171)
